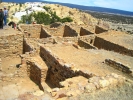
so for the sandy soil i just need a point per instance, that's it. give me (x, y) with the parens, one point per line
(8, 30)
(13, 87)
(89, 60)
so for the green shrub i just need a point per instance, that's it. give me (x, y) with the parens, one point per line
(66, 19)
(43, 18)
(46, 8)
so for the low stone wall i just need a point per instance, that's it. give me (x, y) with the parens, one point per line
(89, 39)
(44, 34)
(11, 45)
(85, 32)
(36, 72)
(69, 32)
(96, 82)
(70, 39)
(27, 47)
(104, 44)
(99, 30)
(31, 45)
(118, 66)
(86, 45)
(36, 69)
(59, 31)
(59, 70)
(31, 30)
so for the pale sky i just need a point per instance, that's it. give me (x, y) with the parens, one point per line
(116, 4)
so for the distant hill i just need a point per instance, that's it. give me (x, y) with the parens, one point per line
(90, 8)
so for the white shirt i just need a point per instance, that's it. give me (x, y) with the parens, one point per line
(5, 12)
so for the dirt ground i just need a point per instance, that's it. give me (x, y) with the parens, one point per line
(89, 60)
(17, 88)
(13, 87)
(8, 30)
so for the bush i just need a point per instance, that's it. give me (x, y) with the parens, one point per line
(46, 8)
(66, 19)
(43, 18)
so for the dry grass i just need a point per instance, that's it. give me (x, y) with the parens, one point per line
(124, 92)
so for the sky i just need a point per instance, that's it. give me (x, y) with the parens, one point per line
(126, 5)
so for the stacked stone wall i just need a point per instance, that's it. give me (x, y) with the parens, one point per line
(104, 44)
(85, 32)
(44, 34)
(59, 31)
(59, 70)
(36, 72)
(69, 32)
(35, 68)
(86, 45)
(27, 47)
(89, 39)
(11, 45)
(96, 83)
(31, 45)
(99, 30)
(118, 66)
(31, 31)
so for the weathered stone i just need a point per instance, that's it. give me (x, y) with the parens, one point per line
(55, 90)
(53, 94)
(103, 83)
(38, 93)
(71, 93)
(90, 87)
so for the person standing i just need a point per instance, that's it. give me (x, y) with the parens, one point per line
(1, 18)
(5, 15)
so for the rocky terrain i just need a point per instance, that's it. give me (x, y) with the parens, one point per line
(116, 22)
(66, 61)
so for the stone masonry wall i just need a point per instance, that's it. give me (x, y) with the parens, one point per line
(59, 70)
(31, 45)
(11, 45)
(35, 67)
(99, 30)
(44, 34)
(104, 44)
(27, 47)
(86, 45)
(118, 66)
(85, 32)
(36, 72)
(69, 32)
(32, 31)
(89, 39)
(54, 31)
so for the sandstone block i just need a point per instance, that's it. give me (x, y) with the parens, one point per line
(103, 83)
(90, 87)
